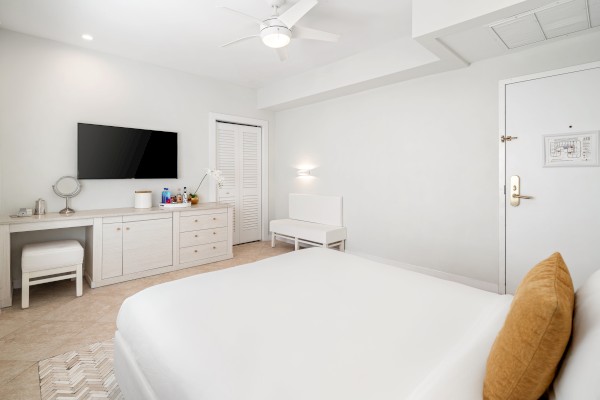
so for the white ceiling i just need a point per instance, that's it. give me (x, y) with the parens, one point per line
(187, 34)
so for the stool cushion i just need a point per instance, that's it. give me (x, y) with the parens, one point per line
(48, 255)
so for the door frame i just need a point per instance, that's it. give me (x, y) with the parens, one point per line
(502, 157)
(213, 119)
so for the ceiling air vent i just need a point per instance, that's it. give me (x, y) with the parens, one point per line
(557, 19)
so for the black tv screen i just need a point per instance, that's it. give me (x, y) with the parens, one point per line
(110, 152)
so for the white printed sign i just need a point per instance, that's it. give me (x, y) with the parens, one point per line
(571, 150)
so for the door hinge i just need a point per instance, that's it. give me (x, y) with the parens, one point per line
(507, 138)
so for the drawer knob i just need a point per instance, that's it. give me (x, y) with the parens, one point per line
(214, 247)
(195, 220)
(195, 235)
(127, 228)
(118, 229)
(214, 233)
(214, 218)
(195, 251)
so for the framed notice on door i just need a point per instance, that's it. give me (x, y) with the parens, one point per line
(571, 150)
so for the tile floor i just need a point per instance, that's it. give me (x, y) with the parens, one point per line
(57, 321)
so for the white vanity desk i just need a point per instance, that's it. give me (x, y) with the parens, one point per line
(127, 243)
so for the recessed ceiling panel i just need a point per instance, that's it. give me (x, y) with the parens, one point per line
(564, 18)
(520, 31)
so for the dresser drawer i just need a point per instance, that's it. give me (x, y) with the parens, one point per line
(196, 253)
(194, 238)
(199, 222)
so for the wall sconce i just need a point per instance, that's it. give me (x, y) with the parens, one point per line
(304, 172)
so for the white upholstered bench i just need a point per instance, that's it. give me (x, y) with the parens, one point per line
(49, 262)
(313, 220)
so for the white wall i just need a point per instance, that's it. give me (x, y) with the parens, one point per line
(416, 162)
(48, 87)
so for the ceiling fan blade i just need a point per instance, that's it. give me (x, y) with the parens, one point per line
(240, 40)
(231, 10)
(302, 32)
(282, 53)
(297, 11)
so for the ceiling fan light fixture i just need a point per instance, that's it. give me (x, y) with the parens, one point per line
(276, 36)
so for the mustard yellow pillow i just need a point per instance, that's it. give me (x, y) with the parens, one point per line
(528, 348)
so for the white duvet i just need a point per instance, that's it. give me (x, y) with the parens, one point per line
(312, 324)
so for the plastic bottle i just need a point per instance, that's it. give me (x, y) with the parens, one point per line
(163, 199)
(167, 196)
(185, 195)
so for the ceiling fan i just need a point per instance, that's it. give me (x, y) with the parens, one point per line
(277, 30)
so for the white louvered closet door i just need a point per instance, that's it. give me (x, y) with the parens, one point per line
(239, 158)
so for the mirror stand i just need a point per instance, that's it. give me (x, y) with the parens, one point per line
(67, 210)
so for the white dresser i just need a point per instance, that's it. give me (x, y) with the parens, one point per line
(128, 243)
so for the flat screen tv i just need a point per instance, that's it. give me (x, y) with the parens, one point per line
(110, 152)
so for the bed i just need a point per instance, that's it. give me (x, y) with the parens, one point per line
(313, 324)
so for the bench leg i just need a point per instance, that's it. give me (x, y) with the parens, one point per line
(272, 239)
(343, 245)
(25, 290)
(296, 244)
(79, 280)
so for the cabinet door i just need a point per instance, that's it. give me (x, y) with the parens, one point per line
(239, 158)
(147, 245)
(228, 162)
(112, 250)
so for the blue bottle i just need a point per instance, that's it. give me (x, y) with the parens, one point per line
(167, 196)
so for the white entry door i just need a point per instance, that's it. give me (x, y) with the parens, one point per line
(556, 120)
(239, 158)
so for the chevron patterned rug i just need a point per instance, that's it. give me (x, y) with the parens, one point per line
(83, 374)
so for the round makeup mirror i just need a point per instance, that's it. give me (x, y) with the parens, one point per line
(67, 187)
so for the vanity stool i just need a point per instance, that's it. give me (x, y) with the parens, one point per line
(49, 262)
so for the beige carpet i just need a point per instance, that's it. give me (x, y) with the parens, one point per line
(83, 374)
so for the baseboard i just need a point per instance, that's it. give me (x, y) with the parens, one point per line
(483, 285)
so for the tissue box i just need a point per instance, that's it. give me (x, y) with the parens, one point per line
(143, 199)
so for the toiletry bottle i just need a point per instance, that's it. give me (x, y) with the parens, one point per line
(167, 196)
(179, 196)
(185, 195)
(163, 199)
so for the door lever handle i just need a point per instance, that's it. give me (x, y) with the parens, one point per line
(515, 191)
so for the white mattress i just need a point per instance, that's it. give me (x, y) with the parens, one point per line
(312, 324)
